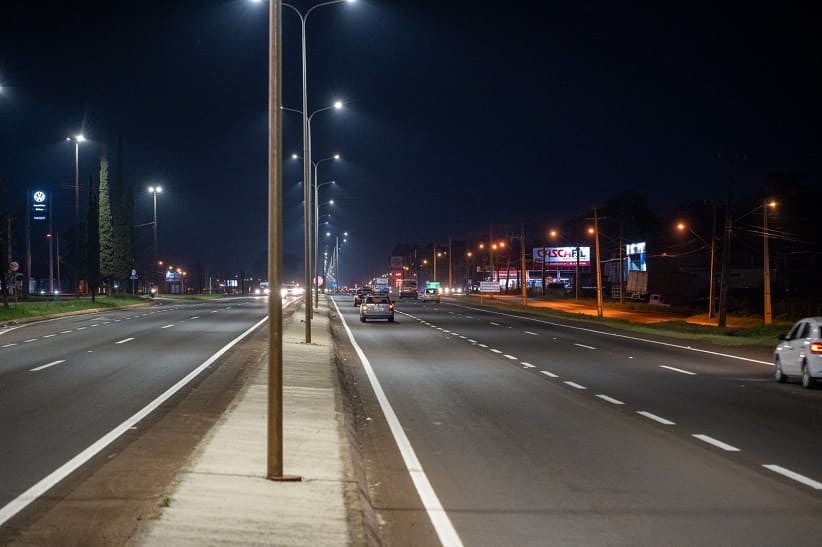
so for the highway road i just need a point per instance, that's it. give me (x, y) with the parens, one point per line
(69, 386)
(531, 432)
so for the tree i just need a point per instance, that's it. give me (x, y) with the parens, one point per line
(106, 225)
(92, 240)
(122, 210)
(5, 245)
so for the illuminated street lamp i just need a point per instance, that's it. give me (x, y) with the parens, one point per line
(681, 226)
(154, 190)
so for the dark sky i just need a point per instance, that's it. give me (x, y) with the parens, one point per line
(459, 113)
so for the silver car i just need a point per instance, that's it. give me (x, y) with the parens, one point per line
(377, 306)
(799, 353)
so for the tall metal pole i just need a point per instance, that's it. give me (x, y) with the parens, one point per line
(491, 248)
(59, 285)
(274, 470)
(450, 267)
(599, 273)
(51, 258)
(306, 190)
(523, 278)
(435, 262)
(156, 256)
(316, 281)
(576, 280)
(621, 263)
(27, 289)
(712, 266)
(76, 212)
(766, 268)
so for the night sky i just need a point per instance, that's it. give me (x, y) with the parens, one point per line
(458, 113)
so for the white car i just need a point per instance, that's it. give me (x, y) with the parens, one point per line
(799, 353)
(430, 295)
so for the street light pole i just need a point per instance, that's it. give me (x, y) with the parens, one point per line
(766, 265)
(154, 190)
(317, 186)
(599, 273)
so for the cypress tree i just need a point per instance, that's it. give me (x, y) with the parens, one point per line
(106, 225)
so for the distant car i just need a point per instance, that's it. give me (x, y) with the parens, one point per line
(359, 294)
(430, 295)
(799, 353)
(291, 289)
(377, 307)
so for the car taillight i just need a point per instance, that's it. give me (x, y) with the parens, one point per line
(816, 347)
(391, 307)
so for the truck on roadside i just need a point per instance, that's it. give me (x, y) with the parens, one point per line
(409, 288)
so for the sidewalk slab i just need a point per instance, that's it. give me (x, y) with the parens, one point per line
(223, 498)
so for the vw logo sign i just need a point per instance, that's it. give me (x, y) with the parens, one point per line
(39, 196)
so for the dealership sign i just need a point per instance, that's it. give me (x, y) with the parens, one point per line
(562, 257)
(39, 205)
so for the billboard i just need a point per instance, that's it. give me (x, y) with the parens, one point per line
(562, 257)
(635, 257)
(396, 263)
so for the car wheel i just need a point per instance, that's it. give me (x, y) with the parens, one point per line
(391, 319)
(778, 375)
(362, 319)
(807, 380)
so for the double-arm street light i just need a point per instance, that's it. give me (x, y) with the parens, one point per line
(77, 139)
(307, 153)
(335, 257)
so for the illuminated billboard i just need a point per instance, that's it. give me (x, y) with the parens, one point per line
(39, 206)
(562, 257)
(635, 257)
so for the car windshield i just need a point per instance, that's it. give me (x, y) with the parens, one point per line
(376, 300)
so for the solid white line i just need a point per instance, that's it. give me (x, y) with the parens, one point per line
(717, 443)
(531, 333)
(527, 365)
(167, 327)
(510, 357)
(439, 518)
(47, 365)
(584, 346)
(495, 350)
(124, 341)
(625, 336)
(44, 485)
(575, 385)
(610, 399)
(795, 476)
(688, 372)
(654, 417)
(549, 374)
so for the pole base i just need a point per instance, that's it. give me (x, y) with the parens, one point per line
(286, 478)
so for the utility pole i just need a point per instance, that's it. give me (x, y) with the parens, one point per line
(523, 273)
(599, 273)
(435, 261)
(621, 261)
(713, 266)
(491, 248)
(726, 256)
(450, 267)
(766, 270)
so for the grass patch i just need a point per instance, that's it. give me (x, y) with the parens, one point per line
(746, 331)
(191, 296)
(41, 307)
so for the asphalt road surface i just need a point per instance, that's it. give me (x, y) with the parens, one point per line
(532, 432)
(67, 383)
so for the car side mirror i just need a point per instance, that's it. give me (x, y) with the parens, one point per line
(783, 337)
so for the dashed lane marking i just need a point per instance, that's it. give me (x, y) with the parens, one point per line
(47, 365)
(655, 418)
(610, 399)
(548, 374)
(679, 370)
(575, 385)
(527, 365)
(495, 350)
(492, 323)
(124, 341)
(167, 327)
(482, 345)
(30, 340)
(7, 345)
(531, 333)
(794, 476)
(511, 357)
(584, 346)
(715, 442)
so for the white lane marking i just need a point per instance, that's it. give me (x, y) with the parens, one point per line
(65, 331)
(610, 399)
(688, 372)
(446, 331)
(575, 385)
(95, 325)
(492, 323)
(468, 317)
(117, 320)
(527, 365)
(41, 367)
(462, 337)
(495, 350)
(46, 483)
(195, 317)
(794, 475)
(30, 340)
(548, 374)
(9, 345)
(716, 442)
(50, 336)
(167, 327)
(625, 336)
(584, 346)
(654, 417)
(511, 357)
(82, 328)
(215, 311)
(107, 323)
(472, 340)
(124, 341)
(531, 333)
(482, 345)
(439, 518)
